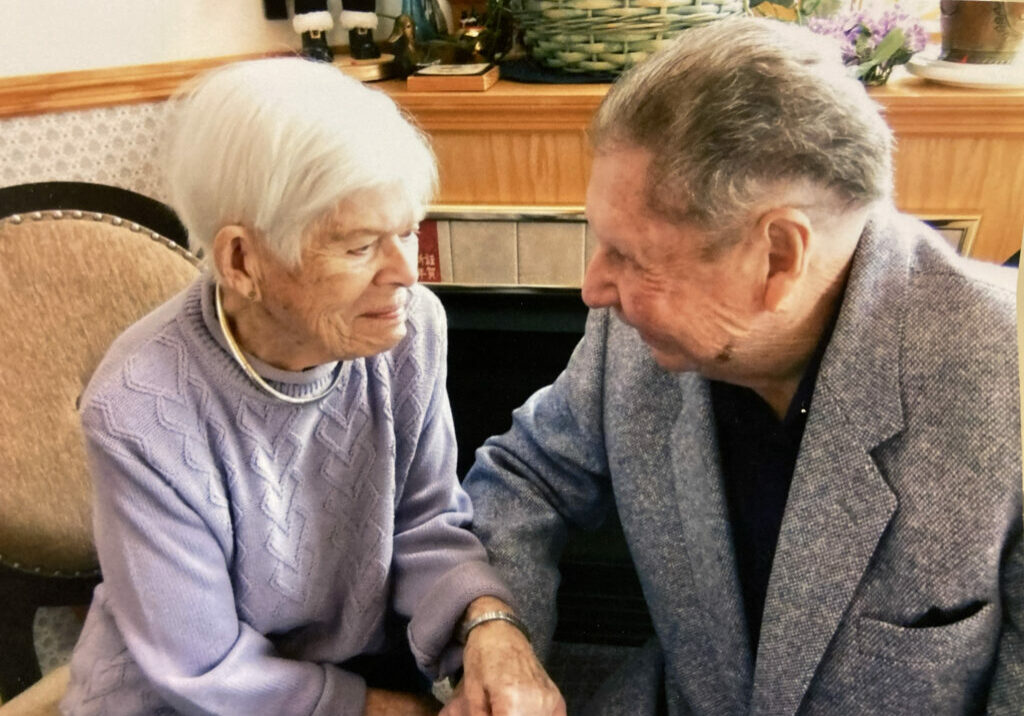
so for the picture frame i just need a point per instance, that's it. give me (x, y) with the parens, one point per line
(959, 231)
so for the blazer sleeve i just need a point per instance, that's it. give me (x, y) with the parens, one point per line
(547, 473)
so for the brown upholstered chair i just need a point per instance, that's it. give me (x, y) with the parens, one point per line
(78, 264)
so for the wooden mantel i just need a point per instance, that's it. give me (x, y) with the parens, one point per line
(960, 151)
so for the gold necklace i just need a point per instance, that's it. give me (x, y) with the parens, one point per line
(256, 378)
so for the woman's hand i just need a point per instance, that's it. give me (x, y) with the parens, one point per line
(397, 703)
(502, 676)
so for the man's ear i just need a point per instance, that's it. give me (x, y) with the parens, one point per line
(237, 258)
(787, 232)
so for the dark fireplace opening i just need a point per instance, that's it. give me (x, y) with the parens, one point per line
(503, 344)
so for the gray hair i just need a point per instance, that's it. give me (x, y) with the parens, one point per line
(737, 109)
(274, 144)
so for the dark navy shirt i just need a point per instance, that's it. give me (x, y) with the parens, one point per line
(758, 454)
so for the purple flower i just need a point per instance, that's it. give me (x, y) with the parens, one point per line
(860, 35)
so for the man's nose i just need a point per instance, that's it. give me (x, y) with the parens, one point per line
(599, 287)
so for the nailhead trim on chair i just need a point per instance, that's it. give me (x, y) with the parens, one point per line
(49, 573)
(57, 215)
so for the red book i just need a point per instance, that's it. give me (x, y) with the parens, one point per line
(430, 257)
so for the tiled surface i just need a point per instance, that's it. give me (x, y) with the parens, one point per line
(484, 252)
(550, 253)
(590, 245)
(507, 252)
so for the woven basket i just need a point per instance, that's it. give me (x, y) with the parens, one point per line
(610, 36)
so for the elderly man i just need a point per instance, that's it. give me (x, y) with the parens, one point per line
(803, 404)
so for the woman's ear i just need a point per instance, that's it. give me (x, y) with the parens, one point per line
(788, 234)
(237, 258)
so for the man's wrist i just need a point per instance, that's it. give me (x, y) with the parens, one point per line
(508, 616)
(494, 609)
(483, 604)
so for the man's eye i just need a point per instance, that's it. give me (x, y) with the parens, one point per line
(361, 250)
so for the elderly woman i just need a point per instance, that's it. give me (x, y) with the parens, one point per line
(277, 515)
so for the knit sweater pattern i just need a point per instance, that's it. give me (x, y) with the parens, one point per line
(250, 546)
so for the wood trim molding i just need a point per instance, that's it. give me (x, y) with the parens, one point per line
(86, 89)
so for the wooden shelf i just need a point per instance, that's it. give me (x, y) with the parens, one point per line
(912, 106)
(917, 107)
(960, 152)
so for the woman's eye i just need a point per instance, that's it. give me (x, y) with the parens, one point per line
(361, 250)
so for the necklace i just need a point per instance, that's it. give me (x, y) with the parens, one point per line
(256, 378)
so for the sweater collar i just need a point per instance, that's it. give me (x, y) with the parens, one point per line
(294, 383)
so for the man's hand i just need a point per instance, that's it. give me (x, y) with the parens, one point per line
(501, 674)
(396, 703)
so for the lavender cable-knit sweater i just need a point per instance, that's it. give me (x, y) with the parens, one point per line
(248, 546)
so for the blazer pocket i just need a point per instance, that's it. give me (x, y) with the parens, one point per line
(962, 640)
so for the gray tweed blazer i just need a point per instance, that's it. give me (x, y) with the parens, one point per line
(898, 582)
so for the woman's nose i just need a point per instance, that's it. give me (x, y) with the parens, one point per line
(399, 260)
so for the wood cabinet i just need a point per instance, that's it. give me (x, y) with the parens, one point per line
(960, 152)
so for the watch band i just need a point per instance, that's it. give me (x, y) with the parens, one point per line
(509, 617)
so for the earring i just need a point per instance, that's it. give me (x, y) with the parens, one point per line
(252, 295)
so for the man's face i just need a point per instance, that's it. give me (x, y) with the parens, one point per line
(348, 298)
(690, 312)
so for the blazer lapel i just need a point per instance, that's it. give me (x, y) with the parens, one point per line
(705, 526)
(839, 502)
(838, 508)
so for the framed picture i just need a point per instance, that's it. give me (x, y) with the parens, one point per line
(959, 231)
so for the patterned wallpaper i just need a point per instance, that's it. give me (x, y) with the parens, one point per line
(110, 145)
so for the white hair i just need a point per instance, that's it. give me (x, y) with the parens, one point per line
(272, 145)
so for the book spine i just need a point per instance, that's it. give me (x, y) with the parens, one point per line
(429, 255)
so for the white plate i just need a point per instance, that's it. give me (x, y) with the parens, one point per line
(966, 75)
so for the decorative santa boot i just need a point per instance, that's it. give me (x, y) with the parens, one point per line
(359, 17)
(313, 22)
